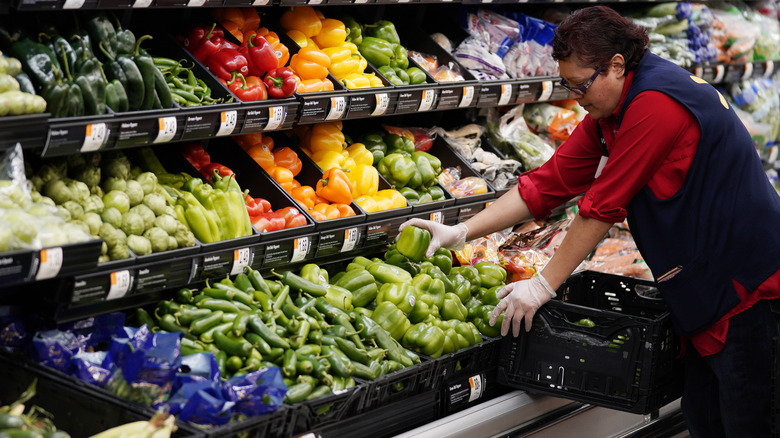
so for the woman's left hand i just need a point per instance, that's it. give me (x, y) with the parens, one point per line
(521, 300)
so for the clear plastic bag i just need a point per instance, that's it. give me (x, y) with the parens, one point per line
(511, 134)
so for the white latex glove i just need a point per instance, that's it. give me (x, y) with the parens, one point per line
(442, 236)
(521, 300)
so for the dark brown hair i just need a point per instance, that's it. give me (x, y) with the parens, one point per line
(595, 34)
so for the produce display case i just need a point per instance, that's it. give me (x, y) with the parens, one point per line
(607, 341)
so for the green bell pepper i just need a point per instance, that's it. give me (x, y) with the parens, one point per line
(462, 287)
(400, 59)
(427, 174)
(471, 274)
(383, 29)
(436, 193)
(401, 73)
(420, 312)
(432, 159)
(453, 308)
(399, 144)
(399, 170)
(377, 51)
(488, 296)
(390, 74)
(392, 319)
(468, 331)
(425, 338)
(413, 242)
(402, 295)
(386, 273)
(315, 274)
(482, 321)
(412, 196)
(354, 30)
(394, 257)
(434, 271)
(416, 75)
(103, 33)
(442, 258)
(375, 144)
(362, 285)
(429, 289)
(490, 274)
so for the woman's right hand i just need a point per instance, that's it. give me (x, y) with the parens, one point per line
(442, 236)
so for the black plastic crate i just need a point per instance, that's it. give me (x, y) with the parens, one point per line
(327, 410)
(400, 385)
(468, 361)
(276, 424)
(625, 357)
(78, 408)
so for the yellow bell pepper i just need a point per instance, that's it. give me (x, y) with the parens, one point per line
(342, 61)
(332, 34)
(351, 46)
(397, 200)
(365, 180)
(329, 159)
(301, 18)
(326, 136)
(300, 39)
(367, 203)
(361, 155)
(355, 80)
(375, 80)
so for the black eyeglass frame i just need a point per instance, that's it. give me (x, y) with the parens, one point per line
(582, 89)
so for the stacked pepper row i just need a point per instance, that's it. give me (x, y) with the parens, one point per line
(250, 322)
(382, 47)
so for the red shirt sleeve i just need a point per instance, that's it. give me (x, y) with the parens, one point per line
(653, 147)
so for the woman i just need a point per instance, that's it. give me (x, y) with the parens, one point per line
(663, 148)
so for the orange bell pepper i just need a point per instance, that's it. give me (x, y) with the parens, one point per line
(305, 195)
(317, 216)
(332, 34)
(330, 211)
(302, 18)
(344, 210)
(287, 157)
(310, 63)
(284, 177)
(335, 186)
(251, 18)
(296, 183)
(314, 85)
(246, 141)
(263, 157)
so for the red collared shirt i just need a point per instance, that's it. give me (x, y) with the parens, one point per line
(654, 147)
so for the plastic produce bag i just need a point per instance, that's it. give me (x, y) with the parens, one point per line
(201, 403)
(475, 55)
(556, 122)
(511, 135)
(256, 393)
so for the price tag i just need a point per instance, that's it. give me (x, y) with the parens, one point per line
(120, 284)
(315, 2)
(260, 2)
(358, 2)
(142, 3)
(437, 216)
(196, 3)
(468, 96)
(166, 129)
(427, 100)
(50, 263)
(698, 71)
(748, 70)
(241, 259)
(488, 204)
(506, 94)
(350, 239)
(300, 249)
(720, 71)
(382, 102)
(547, 89)
(95, 137)
(227, 122)
(73, 4)
(476, 387)
(773, 154)
(276, 116)
(337, 107)
(770, 68)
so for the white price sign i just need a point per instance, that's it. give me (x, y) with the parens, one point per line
(547, 89)
(260, 2)
(720, 71)
(770, 68)
(241, 259)
(227, 122)
(73, 4)
(350, 239)
(748, 71)
(51, 263)
(468, 96)
(276, 116)
(437, 216)
(475, 383)
(300, 249)
(337, 107)
(196, 3)
(142, 3)
(506, 94)
(121, 281)
(427, 100)
(382, 102)
(95, 137)
(166, 129)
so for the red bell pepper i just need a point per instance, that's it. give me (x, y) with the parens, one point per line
(260, 54)
(292, 217)
(280, 82)
(203, 42)
(268, 222)
(196, 155)
(227, 61)
(256, 206)
(208, 171)
(245, 91)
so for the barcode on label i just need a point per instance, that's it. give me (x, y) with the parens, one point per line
(120, 284)
(337, 107)
(350, 239)
(227, 122)
(437, 216)
(276, 116)
(427, 100)
(73, 4)
(468, 96)
(50, 263)
(382, 102)
(547, 89)
(476, 387)
(241, 259)
(95, 137)
(300, 249)
(167, 129)
(506, 93)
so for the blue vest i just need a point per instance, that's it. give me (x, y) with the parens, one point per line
(723, 224)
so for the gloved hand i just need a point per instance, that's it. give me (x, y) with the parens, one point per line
(521, 300)
(442, 236)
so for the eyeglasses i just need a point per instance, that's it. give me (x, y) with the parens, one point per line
(582, 89)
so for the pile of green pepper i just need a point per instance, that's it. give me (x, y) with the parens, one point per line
(87, 70)
(380, 45)
(413, 173)
(186, 88)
